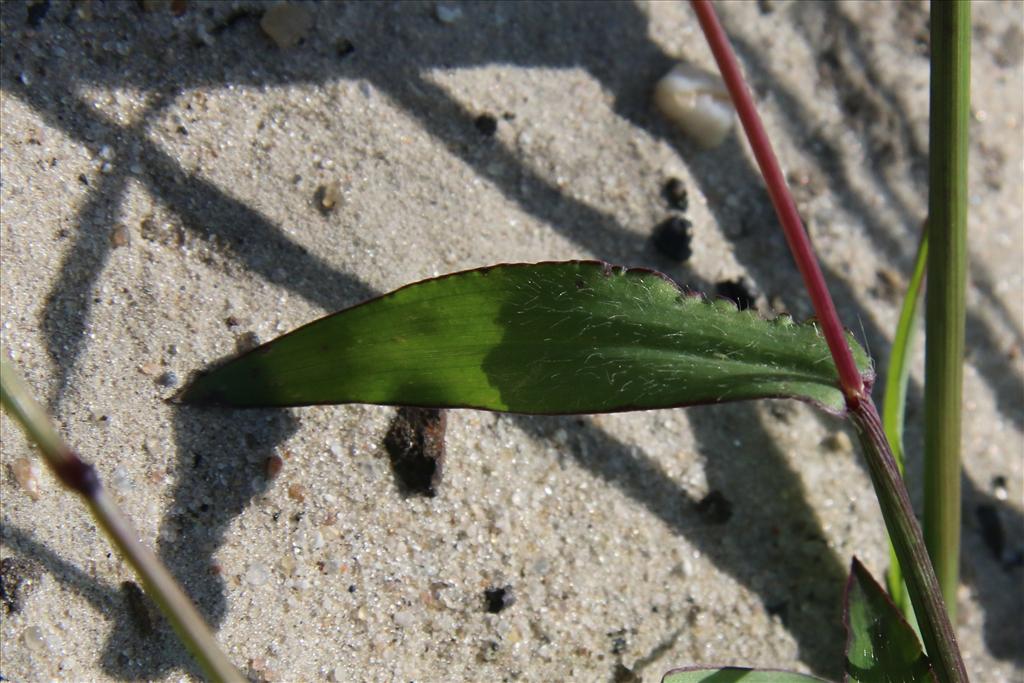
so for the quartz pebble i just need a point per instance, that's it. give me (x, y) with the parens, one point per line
(26, 473)
(257, 574)
(697, 102)
(448, 14)
(34, 639)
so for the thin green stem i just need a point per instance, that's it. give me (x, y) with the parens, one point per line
(81, 478)
(947, 267)
(894, 401)
(936, 627)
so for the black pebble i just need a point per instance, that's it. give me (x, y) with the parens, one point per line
(345, 48)
(672, 238)
(715, 508)
(498, 599)
(675, 194)
(37, 12)
(486, 124)
(415, 444)
(736, 291)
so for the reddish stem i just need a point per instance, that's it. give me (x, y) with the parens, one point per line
(849, 377)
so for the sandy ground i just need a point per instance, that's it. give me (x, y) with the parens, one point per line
(160, 185)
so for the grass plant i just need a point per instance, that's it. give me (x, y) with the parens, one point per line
(578, 337)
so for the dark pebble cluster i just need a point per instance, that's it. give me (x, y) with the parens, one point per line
(672, 236)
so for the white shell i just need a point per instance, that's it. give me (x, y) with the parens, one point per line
(697, 102)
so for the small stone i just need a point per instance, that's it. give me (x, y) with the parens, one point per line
(674, 192)
(489, 651)
(286, 24)
(257, 574)
(26, 473)
(272, 466)
(34, 639)
(405, 619)
(486, 124)
(448, 14)
(672, 238)
(344, 48)
(738, 291)
(415, 444)
(328, 196)
(697, 102)
(120, 481)
(150, 369)
(167, 379)
(999, 487)
(119, 236)
(1011, 46)
(297, 492)
(37, 12)
(838, 442)
(498, 599)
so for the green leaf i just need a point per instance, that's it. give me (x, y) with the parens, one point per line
(880, 645)
(894, 404)
(735, 674)
(573, 337)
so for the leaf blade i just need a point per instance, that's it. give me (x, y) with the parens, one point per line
(556, 337)
(880, 645)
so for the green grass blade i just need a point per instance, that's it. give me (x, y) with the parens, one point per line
(880, 645)
(735, 674)
(572, 337)
(895, 400)
(945, 306)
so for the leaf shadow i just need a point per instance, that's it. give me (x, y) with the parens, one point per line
(795, 575)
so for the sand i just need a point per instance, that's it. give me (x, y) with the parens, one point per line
(162, 192)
